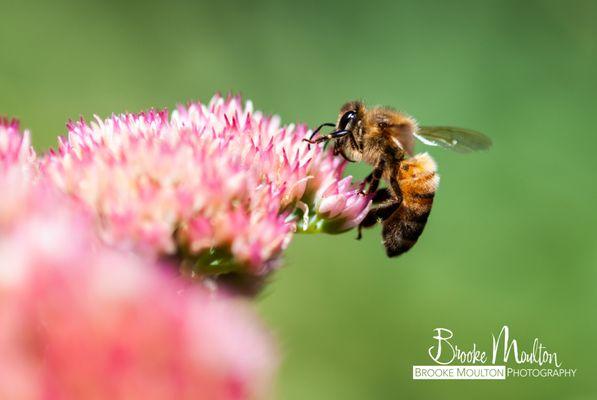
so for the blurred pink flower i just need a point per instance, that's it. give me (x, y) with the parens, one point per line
(15, 147)
(220, 185)
(81, 321)
(18, 168)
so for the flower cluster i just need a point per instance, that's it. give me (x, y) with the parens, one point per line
(79, 320)
(219, 185)
(88, 233)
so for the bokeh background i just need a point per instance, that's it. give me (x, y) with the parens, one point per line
(511, 239)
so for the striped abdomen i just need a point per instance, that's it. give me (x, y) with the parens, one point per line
(418, 182)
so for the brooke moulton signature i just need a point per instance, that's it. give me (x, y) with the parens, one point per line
(503, 349)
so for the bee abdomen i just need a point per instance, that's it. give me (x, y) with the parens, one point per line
(418, 182)
(403, 228)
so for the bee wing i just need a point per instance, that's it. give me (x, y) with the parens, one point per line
(457, 139)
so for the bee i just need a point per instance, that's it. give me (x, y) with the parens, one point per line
(385, 139)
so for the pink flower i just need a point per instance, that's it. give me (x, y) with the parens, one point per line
(340, 207)
(219, 185)
(81, 321)
(15, 147)
(17, 168)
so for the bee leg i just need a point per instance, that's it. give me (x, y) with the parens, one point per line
(374, 184)
(365, 182)
(341, 152)
(378, 213)
(326, 138)
(333, 135)
(394, 179)
(382, 195)
(317, 130)
(373, 178)
(396, 187)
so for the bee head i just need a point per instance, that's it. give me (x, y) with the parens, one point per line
(350, 115)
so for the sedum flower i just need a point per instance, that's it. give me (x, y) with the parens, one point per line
(17, 168)
(339, 207)
(79, 320)
(15, 147)
(219, 186)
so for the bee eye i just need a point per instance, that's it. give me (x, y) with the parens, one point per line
(382, 125)
(346, 119)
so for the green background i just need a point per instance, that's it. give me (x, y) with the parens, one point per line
(511, 239)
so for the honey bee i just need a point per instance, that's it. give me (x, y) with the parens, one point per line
(385, 139)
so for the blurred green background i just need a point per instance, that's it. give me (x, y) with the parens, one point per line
(511, 239)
